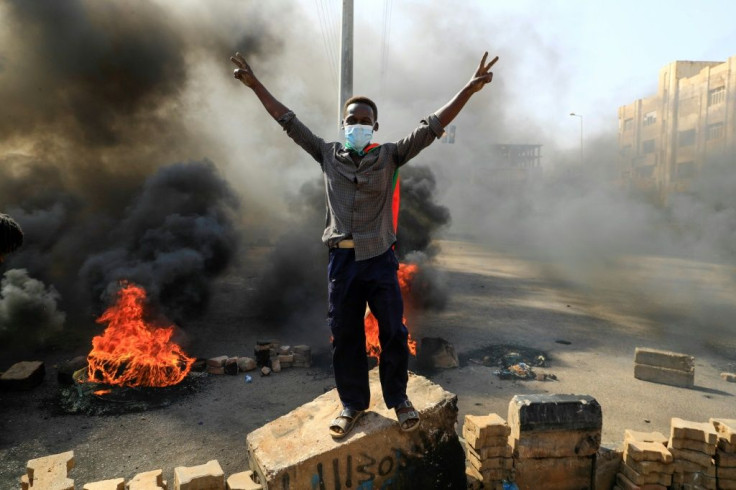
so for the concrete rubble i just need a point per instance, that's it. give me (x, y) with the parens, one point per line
(23, 375)
(269, 357)
(670, 368)
(296, 450)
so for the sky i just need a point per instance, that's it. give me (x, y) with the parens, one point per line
(556, 57)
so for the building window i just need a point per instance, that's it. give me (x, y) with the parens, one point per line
(686, 170)
(650, 118)
(628, 124)
(715, 131)
(716, 95)
(686, 138)
(647, 146)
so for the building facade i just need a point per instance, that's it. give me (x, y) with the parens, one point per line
(666, 139)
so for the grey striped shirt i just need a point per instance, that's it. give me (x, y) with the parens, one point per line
(359, 198)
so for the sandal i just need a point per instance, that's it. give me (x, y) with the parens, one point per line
(407, 415)
(344, 423)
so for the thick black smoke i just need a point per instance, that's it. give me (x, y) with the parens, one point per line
(177, 234)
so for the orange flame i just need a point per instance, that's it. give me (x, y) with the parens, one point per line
(132, 353)
(372, 345)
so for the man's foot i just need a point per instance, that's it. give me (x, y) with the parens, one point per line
(407, 415)
(344, 423)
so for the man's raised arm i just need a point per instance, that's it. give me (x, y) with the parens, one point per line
(245, 74)
(480, 78)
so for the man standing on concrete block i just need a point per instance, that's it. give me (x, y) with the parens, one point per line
(360, 234)
(11, 236)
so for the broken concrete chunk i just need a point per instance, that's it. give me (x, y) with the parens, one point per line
(113, 484)
(265, 371)
(633, 435)
(217, 361)
(23, 375)
(726, 429)
(148, 480)
(243, 481)
(487, 425)
(697, 431)
(672, 377)
(297, 451)
(208, 476)
(664, 359)
(646, 451)
(246, 364)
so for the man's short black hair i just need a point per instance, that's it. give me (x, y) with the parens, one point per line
(11, 236)
(361, 99)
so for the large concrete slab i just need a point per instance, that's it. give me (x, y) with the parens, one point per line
(296, 451)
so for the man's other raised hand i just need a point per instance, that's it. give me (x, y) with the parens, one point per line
(482, 75)
(243, 72)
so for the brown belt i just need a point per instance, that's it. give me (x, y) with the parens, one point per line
(347, 243)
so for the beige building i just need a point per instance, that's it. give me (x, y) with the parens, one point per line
(666, 139)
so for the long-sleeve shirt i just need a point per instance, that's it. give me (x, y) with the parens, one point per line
(359, 197)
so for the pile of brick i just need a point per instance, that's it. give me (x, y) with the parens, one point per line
(270, 357)
(51, 472)
(693, 446)
(725, 453)
(647, 463)
(488, 451)
(554, 439)
(664, 367)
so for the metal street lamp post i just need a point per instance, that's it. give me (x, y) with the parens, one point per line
(581, 135)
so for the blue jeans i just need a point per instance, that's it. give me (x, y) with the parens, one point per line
(352, 284)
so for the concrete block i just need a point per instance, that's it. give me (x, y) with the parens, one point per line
(633, 435)
(726, 447)
(554, 473)
(486, 425)
(148, 480)
(556, 444)
(208, 476)
(436, 352)
(243, 481)
(114, 484)
(51, 471)
(296, 451)
(491, 452)
(689, 444)
(285, 359)
(23, 375)
(625, 484)
(664, 359)
(490, 463)
(696, 431)
(646, 467)
(685, 466)
(217, 361)
(725, 460)
(647, 451)
(491, 479)
(724, 484)
(276, 365)
(730, 377)
(726, 473)
(533, 413)
(246, 364)
(696, 457)
(648, 478)
(726, 429)
(477, 443)
(606, 464)
(215, 370)
(672, 377)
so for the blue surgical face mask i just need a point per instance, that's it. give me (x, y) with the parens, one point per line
(357, 136)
